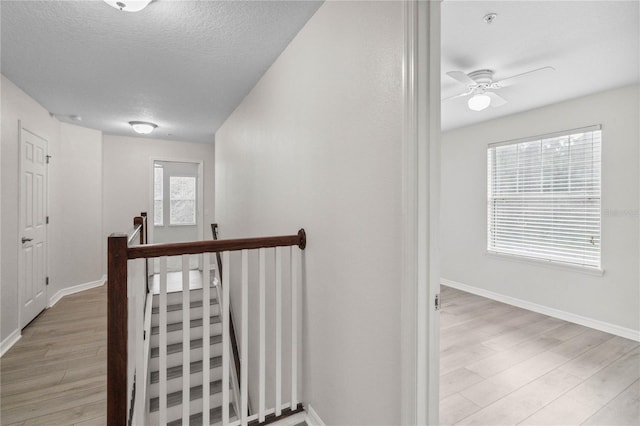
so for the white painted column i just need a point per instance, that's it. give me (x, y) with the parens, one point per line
(206, 336)
(262, 319)
(278, 308)
(186, 341)
(225, 338)
(162, 414)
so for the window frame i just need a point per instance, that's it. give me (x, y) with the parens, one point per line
(539, 259)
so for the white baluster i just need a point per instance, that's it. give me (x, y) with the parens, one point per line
(206, 336)
(278, 330)
(244, 348)
(186, 341)
(225, 338)
(163, 341)
(294, 327)
(141, 379)
(263, 320)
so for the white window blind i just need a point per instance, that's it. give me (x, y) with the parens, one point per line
(544, 197)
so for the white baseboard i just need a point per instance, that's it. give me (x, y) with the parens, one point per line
(617, 330)
(76, 289)
(9, 341)
(313, 419)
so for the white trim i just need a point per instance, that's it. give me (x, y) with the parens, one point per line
(199, 203)
(420, 213)
(9, 341)
(617, 330)
(313, 419)
(568, 132)
(76, 289)
(583, 269)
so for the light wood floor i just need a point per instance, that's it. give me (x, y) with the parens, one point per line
(57, 373)
(501, 365)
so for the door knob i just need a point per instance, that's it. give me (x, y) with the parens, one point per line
(24, 240)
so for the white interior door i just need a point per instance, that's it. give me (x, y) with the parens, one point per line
(32, 260)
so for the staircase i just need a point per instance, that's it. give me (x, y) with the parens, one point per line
(175, 360)
(139, 392)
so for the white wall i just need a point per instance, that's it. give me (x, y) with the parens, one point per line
(613, 298)
(76, 253)
(75, 200)
(127, 177)
(317, 144)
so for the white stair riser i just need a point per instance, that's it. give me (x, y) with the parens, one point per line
(176, 297)
(195, 379)
(175, 412)
(176, 358)
(176, 316)
(195, 333)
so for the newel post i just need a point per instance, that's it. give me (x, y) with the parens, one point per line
(117, 330)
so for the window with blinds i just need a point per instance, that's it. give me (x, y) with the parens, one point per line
(544, 197)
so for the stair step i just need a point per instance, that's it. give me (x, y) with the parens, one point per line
(215, 416)
(178, 306)
(194, 333)
(175, 356)
(177, 347)
(177, 326)
(195, 393)
(194, 379)
(194, 367)
(176, 314)
(175, 298)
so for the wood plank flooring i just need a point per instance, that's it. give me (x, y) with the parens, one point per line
(501, 365)
(57, 372)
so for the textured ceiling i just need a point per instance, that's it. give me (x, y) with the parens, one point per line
(184, 65)
(593, 45)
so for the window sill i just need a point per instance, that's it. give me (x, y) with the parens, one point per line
(547, 263)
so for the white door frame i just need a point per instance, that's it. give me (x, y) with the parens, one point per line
(22, 127)
(420, 204)
(200, 206)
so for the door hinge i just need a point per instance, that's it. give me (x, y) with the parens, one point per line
(48, 157)
(46, 281)
(47, 220)
(437, 302)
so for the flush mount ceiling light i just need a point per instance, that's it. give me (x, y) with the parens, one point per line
(142, 127)
(479, 101)
(128, 5)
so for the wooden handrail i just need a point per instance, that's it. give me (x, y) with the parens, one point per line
(197, 247)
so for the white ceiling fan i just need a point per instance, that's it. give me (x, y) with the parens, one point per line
(480, 85)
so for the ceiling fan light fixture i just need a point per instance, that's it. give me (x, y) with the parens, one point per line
(479, 102)
(142, 127)
(128, 5)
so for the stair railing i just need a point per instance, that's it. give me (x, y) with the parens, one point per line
(121, 254)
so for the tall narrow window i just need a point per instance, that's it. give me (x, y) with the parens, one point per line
(182, 207)
(544, 197)
(158, 188)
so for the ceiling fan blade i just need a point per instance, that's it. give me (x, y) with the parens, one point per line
(462, 78)
(496, 100)
(511, 80)
(459, 95)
